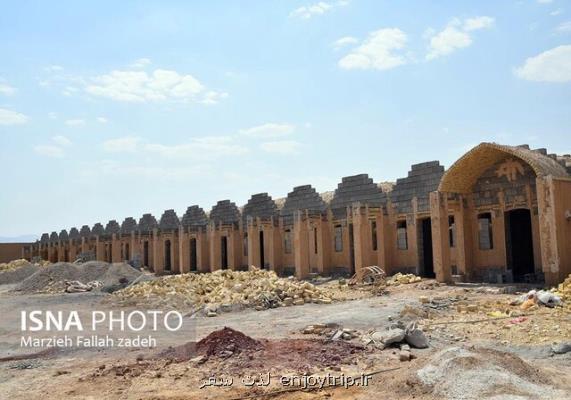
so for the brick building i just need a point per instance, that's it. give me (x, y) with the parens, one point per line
(500, 213)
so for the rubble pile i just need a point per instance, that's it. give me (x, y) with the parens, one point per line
(397, 335)
(331, 331)
(17, 270)
(402, 279)
(226, 342)
(14, 264)
(564, 290)
(223, 290)
(487, 373)
(70, 277)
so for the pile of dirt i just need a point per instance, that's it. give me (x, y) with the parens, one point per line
(15, 275)
(465, 374)
(221, 343)
(53, 278)
(230, 351)
(222, 290)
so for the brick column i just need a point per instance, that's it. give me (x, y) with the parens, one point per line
(360, 225)
(116, 249)
(253, 245)
(300, 247)
(440, 247)
(158, 252)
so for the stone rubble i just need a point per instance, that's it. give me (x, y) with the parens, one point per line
(402, 279)
(222, 291)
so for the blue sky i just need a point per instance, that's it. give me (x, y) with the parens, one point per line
(113, 109)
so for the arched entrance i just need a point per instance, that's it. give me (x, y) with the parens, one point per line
(491, 190)
(519, 244)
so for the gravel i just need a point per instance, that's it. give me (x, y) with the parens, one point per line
(51, 279)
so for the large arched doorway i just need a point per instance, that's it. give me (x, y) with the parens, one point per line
(519, 244)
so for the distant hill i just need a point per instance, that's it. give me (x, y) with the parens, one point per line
(18, 239)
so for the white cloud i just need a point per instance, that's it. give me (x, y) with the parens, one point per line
(553, 65)
(102, 120)
(281, 147)
(456, 35)
(61, 140)
(378, 51)
(160, 85)
(75, 122)
(6, 89)
(127, 144)
(141, 63)
(564, 27)
(9, 117)
(344, 41)
(49, 150)
(557, 12)
(473, 24)
(269, 130)
(213, 97)
(320, 8)
(544, 1)
(52, 115)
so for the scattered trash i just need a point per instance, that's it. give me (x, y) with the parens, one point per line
(518, 320)
(534, 297)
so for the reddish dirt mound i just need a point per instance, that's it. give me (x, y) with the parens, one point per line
(226, 342)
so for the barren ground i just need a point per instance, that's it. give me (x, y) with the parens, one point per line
(175, 369)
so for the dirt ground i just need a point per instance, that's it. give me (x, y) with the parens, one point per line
(255, 350)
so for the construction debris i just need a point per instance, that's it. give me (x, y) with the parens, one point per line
(12, 265)
(224, 290)
(402, 279)
(78, 287)
(564, 289)
(58, 277)
(534, 297)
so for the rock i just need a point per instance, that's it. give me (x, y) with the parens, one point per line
(561, 348)
(404, 355)
(298, 302)
(288, 301)
(416, 338)
(405, 347)
(347, 336)
(199, 359)
(391, 336)
(211, 313)
(423, 299)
